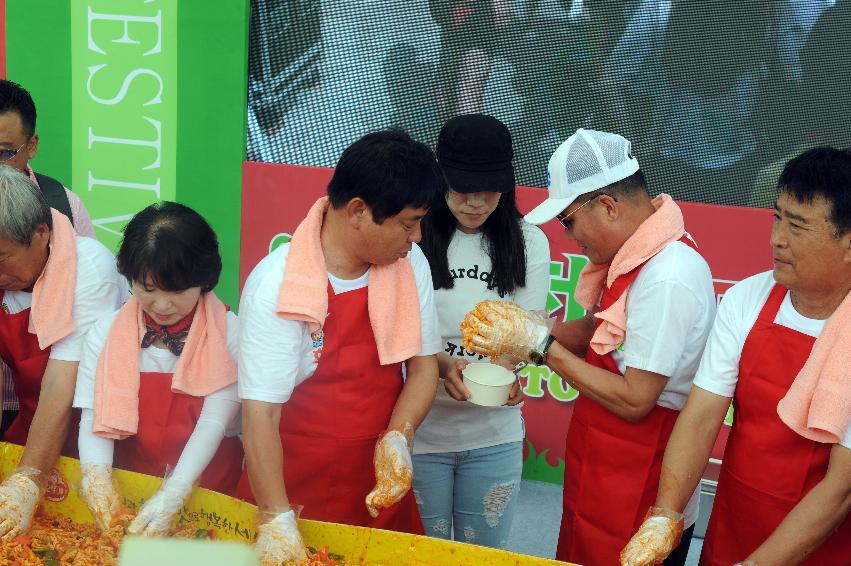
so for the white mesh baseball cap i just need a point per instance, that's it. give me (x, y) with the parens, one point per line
(587, 161)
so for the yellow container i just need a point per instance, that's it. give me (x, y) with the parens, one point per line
(233, 519)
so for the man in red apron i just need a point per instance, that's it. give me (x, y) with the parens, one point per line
(18, 146)
(783, 497)
(47, 274)
(654, 305)
(328, 416)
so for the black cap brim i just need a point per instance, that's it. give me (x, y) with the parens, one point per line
(462, 181)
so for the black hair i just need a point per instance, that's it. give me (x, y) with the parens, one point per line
(628, 187)
(172, 246)
(15, 98)
(389, 171)
(502, 234)
(822, 172)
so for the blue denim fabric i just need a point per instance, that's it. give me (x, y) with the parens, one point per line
(469, 496)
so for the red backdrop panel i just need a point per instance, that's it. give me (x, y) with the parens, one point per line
(733, 240)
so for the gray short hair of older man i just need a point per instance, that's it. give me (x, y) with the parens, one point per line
(22, 206)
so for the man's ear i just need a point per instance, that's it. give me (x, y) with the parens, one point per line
(41, 235)
(845, 241)
(32, 147)
(357, 211)
(611, 205)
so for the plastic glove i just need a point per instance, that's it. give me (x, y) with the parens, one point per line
(19, 495)
(503, 328)
(393, 472)
(98, 491)
(155, 517)
(656, 538)
(279, 540)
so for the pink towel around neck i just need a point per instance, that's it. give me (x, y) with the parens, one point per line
(205, 366)
(392, 298)
(51, 317)
(657, 231)
(818, 403)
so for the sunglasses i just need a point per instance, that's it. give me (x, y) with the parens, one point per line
(563, 218)
(7, 154)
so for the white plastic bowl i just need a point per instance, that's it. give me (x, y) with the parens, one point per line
(489, 384)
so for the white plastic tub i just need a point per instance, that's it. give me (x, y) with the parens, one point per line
(489, 384)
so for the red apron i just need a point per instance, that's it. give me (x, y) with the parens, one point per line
(612, 466)
(331, 423)
(166, 421)
(767, 467)
(19, 350)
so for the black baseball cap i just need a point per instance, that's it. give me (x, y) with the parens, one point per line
(475, 153)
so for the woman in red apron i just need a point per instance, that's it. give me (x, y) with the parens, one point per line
(753, 498)
(172, 405)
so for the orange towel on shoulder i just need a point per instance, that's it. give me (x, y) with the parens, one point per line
(393, 301)
(51, 317)
(660, 229)
(818, 403)
(205, 366)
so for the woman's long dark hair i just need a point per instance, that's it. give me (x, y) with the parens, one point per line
(503, 236)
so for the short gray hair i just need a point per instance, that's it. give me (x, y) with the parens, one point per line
(22, 206)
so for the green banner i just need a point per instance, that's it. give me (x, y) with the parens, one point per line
(114, 81)
(124, 108)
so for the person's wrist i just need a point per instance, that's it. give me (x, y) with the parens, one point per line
(276, 513)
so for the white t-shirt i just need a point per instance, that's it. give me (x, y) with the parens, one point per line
(453, 426)
(719, 369)
(278, 354)
(670, 308)
(99, 288)
(151, 359)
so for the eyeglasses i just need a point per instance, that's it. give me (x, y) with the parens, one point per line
(563, 218)
(7, 154)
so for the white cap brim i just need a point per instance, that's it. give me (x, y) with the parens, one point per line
(547, 210)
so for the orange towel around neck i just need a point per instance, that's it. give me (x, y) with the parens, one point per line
(818, 403)
(660, 229)
(393, 301)
(205, 366)
(51, 317)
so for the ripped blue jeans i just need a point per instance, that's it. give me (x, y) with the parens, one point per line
(469, 496)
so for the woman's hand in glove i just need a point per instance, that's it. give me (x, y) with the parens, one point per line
(154, 519)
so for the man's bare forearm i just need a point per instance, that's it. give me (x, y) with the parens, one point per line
(575, 335)
(689, 448)
(631, 396)
(264, 455)
(417, 394)
(52, 416)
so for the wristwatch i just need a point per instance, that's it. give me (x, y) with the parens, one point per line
(539, 358)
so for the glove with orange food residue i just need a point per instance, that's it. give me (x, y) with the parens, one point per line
(394, 472)
(279, 540)
(503, 328)
(656, 538)
(98, 491)
(19, 495)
